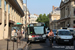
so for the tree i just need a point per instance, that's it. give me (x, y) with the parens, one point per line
(43, 18)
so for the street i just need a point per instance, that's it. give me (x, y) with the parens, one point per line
(46, 46)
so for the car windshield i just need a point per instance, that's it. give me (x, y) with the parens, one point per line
(54, 30)
(64, 33)
(36, 30)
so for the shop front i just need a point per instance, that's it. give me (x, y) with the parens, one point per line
(16, 27)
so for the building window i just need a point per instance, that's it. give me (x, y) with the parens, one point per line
(4, 5)
(54, 18)
(8, 8)
(74, 2)
(25, 22)
(74, 22)
(68, 11)
(0, 3)
(25, 16)
(74, 11)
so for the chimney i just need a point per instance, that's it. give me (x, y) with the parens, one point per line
(53, 7)
(62, 0)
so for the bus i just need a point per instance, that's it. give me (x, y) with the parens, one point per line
(36, 32)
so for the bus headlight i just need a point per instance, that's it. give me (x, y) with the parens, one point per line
(30, 36)
(44, 36)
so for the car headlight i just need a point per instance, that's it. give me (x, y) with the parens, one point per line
(44, 36)
(59, 38)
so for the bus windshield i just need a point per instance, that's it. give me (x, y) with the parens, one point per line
(36, 30)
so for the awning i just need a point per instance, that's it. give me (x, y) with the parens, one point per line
(12, 22)
(19, 23)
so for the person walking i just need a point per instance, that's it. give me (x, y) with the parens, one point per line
(13, 34)
(18, 35)
(22, 32)
(51, 35)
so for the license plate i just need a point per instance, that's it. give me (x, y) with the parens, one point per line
(66, 40)
(36, 36)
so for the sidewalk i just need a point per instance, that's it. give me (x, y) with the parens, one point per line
(3, 45)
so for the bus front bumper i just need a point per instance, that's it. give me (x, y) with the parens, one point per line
(36, 39)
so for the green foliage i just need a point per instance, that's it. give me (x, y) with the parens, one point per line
(43, 18)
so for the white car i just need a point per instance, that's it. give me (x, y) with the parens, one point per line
(64, 36)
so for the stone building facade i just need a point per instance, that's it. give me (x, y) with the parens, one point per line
(26, 18)
(33, 18)
(11, 12)
(54, 16)
(67, 19)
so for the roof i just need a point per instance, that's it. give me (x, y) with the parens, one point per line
(56, 11)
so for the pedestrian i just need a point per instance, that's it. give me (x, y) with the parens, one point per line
(13, 34)
(51, 34)
(18, 35)
(22, 33)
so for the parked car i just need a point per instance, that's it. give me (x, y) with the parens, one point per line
(64, 36)
(74, 35)
(71, 30)
(54, 31)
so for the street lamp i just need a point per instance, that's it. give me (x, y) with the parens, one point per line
(26, 19)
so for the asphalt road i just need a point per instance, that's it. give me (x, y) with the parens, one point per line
(46, 46)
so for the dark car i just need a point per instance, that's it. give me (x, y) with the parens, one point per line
(54, 31)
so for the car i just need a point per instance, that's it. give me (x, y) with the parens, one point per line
(64, 36)
(71, 30)
(54, 31)
(74, 35)
(14, 37)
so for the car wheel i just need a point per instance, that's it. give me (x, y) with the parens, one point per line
(72, 43)
(56, 41)
(44, 41)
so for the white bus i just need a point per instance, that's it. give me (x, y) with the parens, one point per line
(36, 32)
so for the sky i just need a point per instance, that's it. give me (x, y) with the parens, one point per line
(41, 6)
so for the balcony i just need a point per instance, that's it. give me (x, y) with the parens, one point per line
(0, 15)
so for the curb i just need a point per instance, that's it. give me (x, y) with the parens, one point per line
(25, 46)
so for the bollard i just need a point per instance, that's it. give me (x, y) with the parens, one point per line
(7, 43)
(17, 44)
(13, 44)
